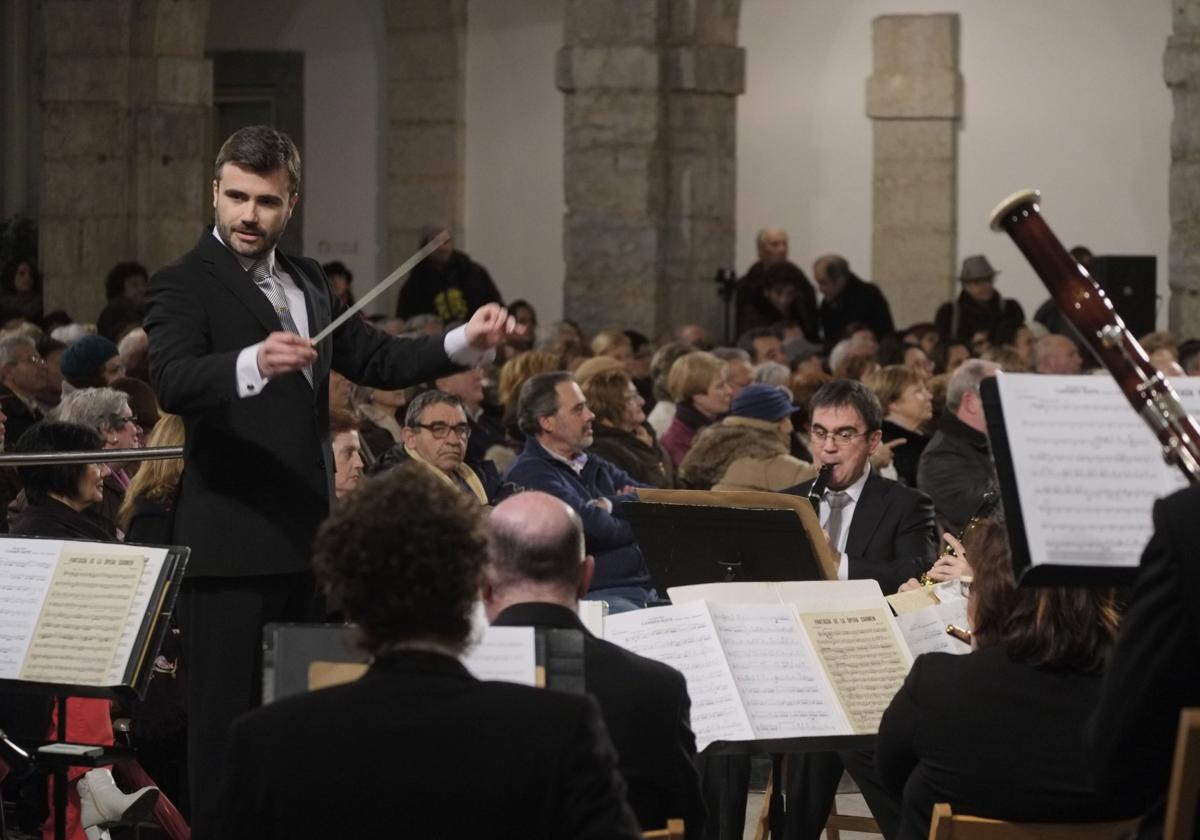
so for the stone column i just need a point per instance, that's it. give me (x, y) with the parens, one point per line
(914, 98)
(649, 159)
(1181, 71)
(426, 125)
(126, 110)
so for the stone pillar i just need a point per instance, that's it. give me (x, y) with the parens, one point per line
(649, 159)
(1181, 71)
(914, 98)
(426, 124)
(126, 112)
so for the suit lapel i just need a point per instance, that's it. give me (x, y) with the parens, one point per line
(868, 512)
(224, 268)
(316, 304)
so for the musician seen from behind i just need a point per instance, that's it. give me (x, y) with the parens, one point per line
(956, 468)
(880, 529)
(421, 748)
(535, 575)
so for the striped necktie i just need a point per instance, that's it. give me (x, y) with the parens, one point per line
(269, 286)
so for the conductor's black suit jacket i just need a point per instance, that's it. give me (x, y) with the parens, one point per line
(892, 536)
(258, 470)
(647, 712)
(420, 748)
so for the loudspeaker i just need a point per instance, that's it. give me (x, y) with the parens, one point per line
(1130, 285)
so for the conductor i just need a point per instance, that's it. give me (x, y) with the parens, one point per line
(229, 326)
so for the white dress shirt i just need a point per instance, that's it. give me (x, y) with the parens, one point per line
(854, 491)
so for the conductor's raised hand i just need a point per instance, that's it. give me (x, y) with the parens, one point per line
(285, 352)
(488, 326)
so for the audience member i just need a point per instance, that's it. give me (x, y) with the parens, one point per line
(979, 307)
(134, 352)
(1189, 357)
(856, 366)
(664, 359)
(999, 732)
(701, 392)
(558, 427)
(91, 362)
(347, 452)
(20, 291)
(22, 378)
(515, 373)
(380, 416)
(739, 369)
(1161, 347)
(846, 299)
(614, 344)
(106, 411)
(804, 359)
(695, 336)
(1056, 354)
(1016, 337)
(486, 430)
(142, 401)
(773, 373)
(620, 434)
(448, 283)
(779, 293)
(1005, 359)
(749, 449)
(340, 279)
(125, 291)
(949, 355)
(956, 467)
(50, 394)
(908, 408)
(763, 344)
(536, 572)
(417, 729)
(526, 316)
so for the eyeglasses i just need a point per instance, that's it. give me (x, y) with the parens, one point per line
(440, 430)
(840, 437)
(35, 359)
(118, 422)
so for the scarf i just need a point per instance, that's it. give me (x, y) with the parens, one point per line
(464, 473)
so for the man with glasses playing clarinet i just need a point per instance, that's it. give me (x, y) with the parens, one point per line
(879, 529)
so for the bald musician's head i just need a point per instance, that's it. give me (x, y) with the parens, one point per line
(535, 553)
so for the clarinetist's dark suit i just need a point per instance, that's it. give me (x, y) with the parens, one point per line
(258, 470)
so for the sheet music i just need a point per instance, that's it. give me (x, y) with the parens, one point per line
(152, 564)
(864, 658)
(85, 612)
(925, 630)
(1088, 468)
(806, 595)
(26, 569)
(684, 637)
(593, 615)
(506, 654)
(782, 687)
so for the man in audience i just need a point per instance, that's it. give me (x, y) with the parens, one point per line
(347, 452)
(739, 368)
(22, 375)
(1056, 354)
(879, 529)
(417, 732)
(956, 467)
(694, 335)
(449, 284)
(978, 307)
(230, 325)
(435, 434)
(486, 431)
(847, 299)
(764, 345)
(775, 289)
(554, 416)
(536, 573)
(1014, 336)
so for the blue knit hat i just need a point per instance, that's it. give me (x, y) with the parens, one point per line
(86, 356)
(761, 401)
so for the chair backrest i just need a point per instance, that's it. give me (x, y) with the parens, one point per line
(1185, 778)
(947, 825)
(673, 831)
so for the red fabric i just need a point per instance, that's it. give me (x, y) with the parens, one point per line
(88, 722)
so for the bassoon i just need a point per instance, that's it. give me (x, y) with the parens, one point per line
(1087, 307)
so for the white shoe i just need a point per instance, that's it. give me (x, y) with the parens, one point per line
(102, 804)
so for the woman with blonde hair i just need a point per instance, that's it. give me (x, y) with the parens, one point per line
(513, 375)
(146, 512)
(907, 410)
(621, 435)
(699, 386)
(615, 345)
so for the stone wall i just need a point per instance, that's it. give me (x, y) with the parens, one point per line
(1181, 70)
(126, 106)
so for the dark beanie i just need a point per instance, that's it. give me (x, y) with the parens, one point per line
(762, 402)
(86, 357)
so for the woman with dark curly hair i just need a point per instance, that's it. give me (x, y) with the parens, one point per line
(999, 732)
(537, 763)
(20, 291)
(621, 434)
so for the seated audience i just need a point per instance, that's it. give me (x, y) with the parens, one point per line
(948, 355)
(620, 434)
(347, 452)
(846, 299)
(142, 401)
(701, 392)
(956, 467)
(615, 345)
(20, 291)
(515, 373)
(341, 279)
(535, 575)
(106, 411)
(1014, 336)
(125, 291)
(435, 435)
(134, 352)
(739, 370)
(558, 427)
(979, 307)
(22, 378)
(49, 394)
(999, 732)
(663, 413)
(1189, 357)
(1056, 354)
(417, 730)
(146, 512)
(772, 373)
(520, 342)
(639, 368)
(91, 362)
(749, 449)
(908, 407)
(486, 431)
(763, 344)
(695, 336)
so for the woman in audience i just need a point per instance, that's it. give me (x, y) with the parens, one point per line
(701, 392)
(513, 375)
(107, 412)
(948, 355)
(663, 413)
(91, 362)
(125, 291)
(999, 732)
(381, 414)
(908, 407)
(20, 291)
(614, 344)
(621, 436)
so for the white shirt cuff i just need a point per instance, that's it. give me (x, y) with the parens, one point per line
(249, 381)
(462, 353)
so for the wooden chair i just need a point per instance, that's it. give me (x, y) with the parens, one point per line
(1185, 778)
(673, 831)
(950, 826)
(847, 822)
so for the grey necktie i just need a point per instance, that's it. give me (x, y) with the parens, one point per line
(837, 501)
(260, 272)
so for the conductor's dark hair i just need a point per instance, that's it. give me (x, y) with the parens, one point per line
(419, 588)
(555, 558)
(262, 150)
(114, 283)
(60, 479)
(538, 399)
(853, 394)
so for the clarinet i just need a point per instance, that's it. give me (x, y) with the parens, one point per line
(818, 488)
(1088, 308)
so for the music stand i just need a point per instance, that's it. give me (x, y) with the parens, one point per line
(698, 536)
